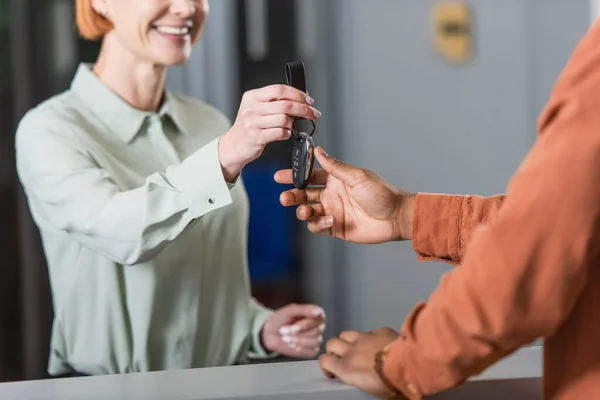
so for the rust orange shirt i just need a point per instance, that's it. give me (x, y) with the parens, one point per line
(529, 262)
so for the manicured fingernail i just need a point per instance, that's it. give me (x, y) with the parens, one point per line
(289, 133)
(322, 328)
(318, 311)
(287, 339)
(329, 221)
(320, 339)
(284, 330)
(317, 113)
(296, 329)
(310, 100)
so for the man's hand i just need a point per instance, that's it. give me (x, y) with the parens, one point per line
(295, 331)
(351, 359)
(356, 205)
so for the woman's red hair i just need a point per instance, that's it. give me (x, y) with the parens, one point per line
(91, 24)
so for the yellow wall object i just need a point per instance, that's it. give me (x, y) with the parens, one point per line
(453, 30)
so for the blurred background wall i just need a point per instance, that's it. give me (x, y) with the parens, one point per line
(390, 101)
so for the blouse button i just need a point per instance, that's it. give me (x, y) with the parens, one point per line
(211, 200)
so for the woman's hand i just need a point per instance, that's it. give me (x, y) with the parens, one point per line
(295, 331)
(265, 115)
(356, 205)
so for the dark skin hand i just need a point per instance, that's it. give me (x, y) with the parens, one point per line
(355, 204)
(351, 359)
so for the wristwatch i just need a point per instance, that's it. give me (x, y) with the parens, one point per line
(379, 360)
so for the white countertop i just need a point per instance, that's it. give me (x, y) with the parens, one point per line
(516, 376)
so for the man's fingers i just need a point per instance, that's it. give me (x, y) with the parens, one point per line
(283, 176)
(307, 212)
(317, 222)
(384, 331)
(318, 177)
(321, 225)
(330, 365)
(337, 347)
(295, 196)
(350, 336)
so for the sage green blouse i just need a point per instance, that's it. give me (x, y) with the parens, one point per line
(145, 241)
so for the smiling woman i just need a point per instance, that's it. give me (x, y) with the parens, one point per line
(142, 26)
(137, 194)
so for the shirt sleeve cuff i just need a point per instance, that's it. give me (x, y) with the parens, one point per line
(396, 373)
(436, 226)
(261, 314)
(200, 179)
(231, 185)
(408, 367)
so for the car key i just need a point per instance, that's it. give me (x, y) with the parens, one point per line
(302, 160)
(304, 145)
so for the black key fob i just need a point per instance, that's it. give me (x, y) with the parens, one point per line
(304, 146)
(302, 160)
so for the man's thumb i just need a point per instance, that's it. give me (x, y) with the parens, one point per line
(345, 173)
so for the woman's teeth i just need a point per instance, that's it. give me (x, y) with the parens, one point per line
(172, 30)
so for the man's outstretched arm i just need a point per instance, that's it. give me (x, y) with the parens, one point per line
(522, 273)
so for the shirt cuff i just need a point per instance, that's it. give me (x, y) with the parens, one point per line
(409, 369)
(396, 373)
(261, 314)
(436, 227)
(200, 179)
(231, 185)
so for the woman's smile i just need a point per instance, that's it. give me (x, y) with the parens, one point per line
(176, 33)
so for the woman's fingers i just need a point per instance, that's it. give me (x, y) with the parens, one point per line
(304, 341)
(274, 134)
(307, 352)
(273, 121)
(286, 107)
(278, 92)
